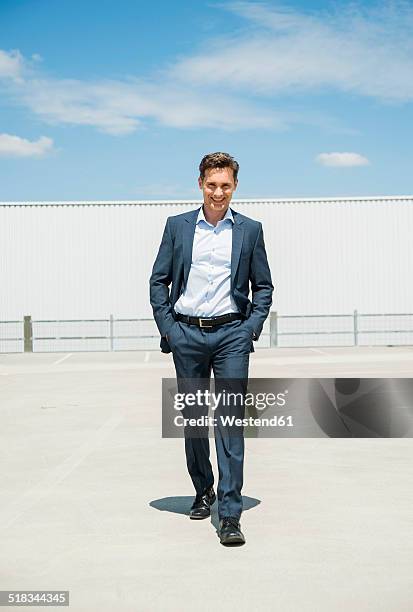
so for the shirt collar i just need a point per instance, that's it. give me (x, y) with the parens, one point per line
(228, 215)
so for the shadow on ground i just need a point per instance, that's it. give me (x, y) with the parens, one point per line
(182, 505)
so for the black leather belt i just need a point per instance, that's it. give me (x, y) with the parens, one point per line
(208, 322)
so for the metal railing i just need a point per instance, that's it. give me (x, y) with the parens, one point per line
(356, 329)
(112, 334)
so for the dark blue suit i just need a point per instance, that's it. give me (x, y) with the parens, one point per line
(225, 349)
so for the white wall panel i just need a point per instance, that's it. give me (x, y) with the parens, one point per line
(72, 260)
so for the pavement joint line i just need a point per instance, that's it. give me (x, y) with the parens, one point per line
(318, 351)
(45, 486)
(62, 359)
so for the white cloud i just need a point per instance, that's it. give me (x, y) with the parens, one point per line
(354, 50)
(11, 64)
(238, 81)
(343, 160)
(14, 146)
(120, 107)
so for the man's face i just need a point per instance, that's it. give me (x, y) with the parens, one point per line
(217, 188)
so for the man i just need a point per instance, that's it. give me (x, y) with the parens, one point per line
(211, 256)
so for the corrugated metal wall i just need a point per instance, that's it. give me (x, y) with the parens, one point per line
(88, 261)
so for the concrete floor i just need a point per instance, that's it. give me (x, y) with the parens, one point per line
(93, 500)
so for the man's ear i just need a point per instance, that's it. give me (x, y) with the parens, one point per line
(236, 184)
(200, 182)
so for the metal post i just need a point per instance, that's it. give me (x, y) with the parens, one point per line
(355, 327)
(28, 334)
(273, 329)
(111, 331)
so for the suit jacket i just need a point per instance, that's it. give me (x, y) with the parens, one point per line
(249, 265)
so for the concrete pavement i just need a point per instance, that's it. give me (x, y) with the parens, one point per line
(94, 501)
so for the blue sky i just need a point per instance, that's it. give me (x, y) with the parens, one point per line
(105, 100)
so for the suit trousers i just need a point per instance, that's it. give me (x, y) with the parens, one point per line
(225, 350)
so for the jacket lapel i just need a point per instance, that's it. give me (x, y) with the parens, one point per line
(237, 237)
(188, 234)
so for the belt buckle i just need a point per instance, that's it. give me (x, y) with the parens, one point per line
(201, 324)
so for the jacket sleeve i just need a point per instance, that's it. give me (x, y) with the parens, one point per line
(261, 285)
(159, 282)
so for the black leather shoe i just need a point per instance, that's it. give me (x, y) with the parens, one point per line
(201, 508)
(230, 532)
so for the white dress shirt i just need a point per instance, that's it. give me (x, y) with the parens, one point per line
(208, 290)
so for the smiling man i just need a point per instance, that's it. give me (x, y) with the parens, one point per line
(212, 257)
